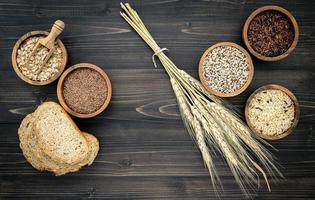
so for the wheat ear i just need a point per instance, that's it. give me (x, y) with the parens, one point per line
(195, 131)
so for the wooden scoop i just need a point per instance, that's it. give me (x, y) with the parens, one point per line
(48, 42)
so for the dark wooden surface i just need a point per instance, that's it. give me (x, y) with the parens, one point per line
(145, 150)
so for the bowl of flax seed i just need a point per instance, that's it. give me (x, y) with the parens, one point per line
(84, 90)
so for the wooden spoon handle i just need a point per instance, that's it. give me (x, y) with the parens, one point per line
(56, 29)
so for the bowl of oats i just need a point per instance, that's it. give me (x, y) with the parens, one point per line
(272, 112)
(226, 69)
(31, 68)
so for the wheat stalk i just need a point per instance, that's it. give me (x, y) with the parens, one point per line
(196, 132)
(211, 124)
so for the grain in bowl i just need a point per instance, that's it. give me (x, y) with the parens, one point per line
(226, 69)
(84, 90)
(31, 68)
(270, 33)
(35, 70)
(272, 112)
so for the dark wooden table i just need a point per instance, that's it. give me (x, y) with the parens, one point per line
(145, 149)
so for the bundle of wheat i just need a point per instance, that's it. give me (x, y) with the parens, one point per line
(210, 123)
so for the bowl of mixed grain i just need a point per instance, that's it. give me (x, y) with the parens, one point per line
(272, 112)
(226, 69)
(270, 33)
(30, 68)
(84, 90)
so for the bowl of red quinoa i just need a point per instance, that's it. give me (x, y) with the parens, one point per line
(270, 33)
(84, 90)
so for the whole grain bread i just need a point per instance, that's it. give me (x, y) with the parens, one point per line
(93, 150)
(46, 162)
(24, 132)
(58, 136)
(35, 155)
(60, 168)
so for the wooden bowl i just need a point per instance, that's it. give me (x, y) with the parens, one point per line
(60, 93)
(14, 55)
(250, 74)
(293, 23)
(296, 111)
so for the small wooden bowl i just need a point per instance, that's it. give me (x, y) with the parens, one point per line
(293, 23)
(60, 93)
(14, 55)
(296, 111)
(250, 74)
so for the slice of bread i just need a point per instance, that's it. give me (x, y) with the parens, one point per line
(93, 150)
(47, 163)
(30, 149)
(24, 132)
(61, 168)
(38, 158)
(58, 136)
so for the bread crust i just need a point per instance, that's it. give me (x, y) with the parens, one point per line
(24, 145)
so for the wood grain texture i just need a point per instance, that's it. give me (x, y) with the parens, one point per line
(145, 150)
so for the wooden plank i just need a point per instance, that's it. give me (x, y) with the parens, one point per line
(98, 187)
(133, 148)
(146, 94)
(108, 41)
(145, 150)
